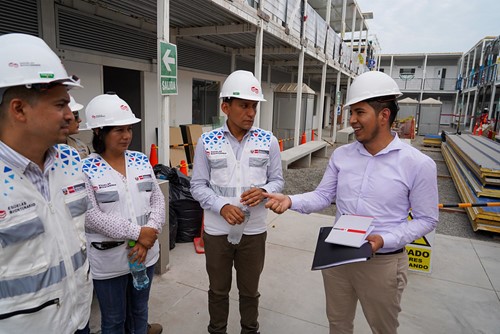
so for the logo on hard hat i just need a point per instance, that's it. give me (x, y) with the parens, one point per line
(255, 90)
(124, 107)
(12, 64)
(98, 116)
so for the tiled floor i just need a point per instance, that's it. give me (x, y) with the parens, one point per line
(461, 295)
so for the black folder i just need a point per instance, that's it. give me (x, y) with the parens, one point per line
(330, 255)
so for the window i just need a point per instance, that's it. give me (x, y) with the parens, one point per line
(205, 101)
(406, 73)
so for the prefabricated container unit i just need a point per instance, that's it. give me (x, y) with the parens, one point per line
(285, 99)
(407, 108)
(430, 116)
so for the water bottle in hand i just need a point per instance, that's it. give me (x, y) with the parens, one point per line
(140, 277)
(236, 230)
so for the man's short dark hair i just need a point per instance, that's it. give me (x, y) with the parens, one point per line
(18, 92)
(381, 102)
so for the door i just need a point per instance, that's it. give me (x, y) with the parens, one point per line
(127, 85)
(443, 79)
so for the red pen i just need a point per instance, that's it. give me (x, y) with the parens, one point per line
(350, 230)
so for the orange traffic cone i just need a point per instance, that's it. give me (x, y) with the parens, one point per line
(183, 168)
(303, 139)
(312, 135)
(281, 145)
(153, 156)
(475, 129)
(199, 245)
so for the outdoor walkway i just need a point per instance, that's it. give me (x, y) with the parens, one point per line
(461, 295)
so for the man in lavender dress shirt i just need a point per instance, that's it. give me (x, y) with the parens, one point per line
(378, 176)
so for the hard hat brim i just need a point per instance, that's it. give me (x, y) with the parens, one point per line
(129, 121)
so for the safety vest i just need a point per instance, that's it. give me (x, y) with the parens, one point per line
(229, 178)
(45, 284)
(129, 200)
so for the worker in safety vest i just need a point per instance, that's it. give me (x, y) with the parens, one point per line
(233, 166)
(45, 284)
(74, 128)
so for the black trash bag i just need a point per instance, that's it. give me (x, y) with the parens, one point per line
(172, 224)
(188, 212)
(189, 216)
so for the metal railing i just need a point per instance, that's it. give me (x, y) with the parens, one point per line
(288, 14)
(429, 84)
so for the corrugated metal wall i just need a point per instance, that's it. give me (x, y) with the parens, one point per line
(194, 57)
(79, 30)
(19, 16)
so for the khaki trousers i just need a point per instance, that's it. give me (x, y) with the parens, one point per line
(248, 260)
(378, 284)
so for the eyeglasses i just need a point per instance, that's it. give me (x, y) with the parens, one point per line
(104, 245)
(77, 115)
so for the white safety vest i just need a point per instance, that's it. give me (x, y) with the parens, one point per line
(129, 200)
(45, 284)
(229, 178)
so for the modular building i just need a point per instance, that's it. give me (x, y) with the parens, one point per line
(112, 46)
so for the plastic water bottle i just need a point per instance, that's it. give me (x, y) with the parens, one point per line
(140, 277)
(236, 230)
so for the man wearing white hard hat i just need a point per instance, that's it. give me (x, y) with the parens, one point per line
(45, 285)
(74, 128)
(233, 167)
(381, 177)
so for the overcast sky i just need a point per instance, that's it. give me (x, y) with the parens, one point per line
(425, 26)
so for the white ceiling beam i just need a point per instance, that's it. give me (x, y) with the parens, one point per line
(217, 30)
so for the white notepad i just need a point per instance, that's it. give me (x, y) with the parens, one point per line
(350, 230)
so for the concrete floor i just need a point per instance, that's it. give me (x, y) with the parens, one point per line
(461, 295)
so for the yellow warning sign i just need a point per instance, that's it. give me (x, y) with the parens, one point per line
(422, 242)
(419, 259)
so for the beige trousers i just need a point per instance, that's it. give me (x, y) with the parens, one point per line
(378, 285)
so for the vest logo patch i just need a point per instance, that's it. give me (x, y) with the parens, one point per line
(143, 177)
(259, 151)
(73, 189)
(3, 214)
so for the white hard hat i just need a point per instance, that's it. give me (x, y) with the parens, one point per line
(242, 85)
(109, 110)
(369, 85)
(27, 60)
(73, 105)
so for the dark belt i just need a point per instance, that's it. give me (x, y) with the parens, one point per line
(401, 250)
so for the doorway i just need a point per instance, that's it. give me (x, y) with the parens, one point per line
(127, 85)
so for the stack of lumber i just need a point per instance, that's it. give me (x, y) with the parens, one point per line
(432, 140)
(474, 164)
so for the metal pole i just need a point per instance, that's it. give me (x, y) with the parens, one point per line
(163, 32)
(259, 40)
(337, 104)
(321, 102)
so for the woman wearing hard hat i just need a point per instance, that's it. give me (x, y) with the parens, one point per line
(128, 205)
(381, 177)
(233, 167)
